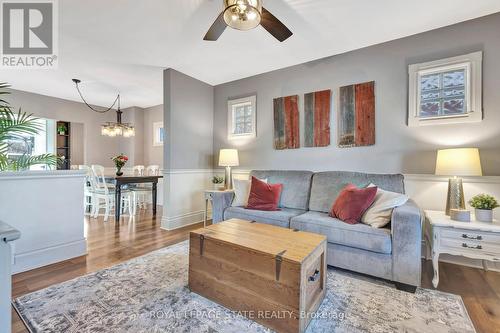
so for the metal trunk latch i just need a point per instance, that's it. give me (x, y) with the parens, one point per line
(279, 259)
(202, 241)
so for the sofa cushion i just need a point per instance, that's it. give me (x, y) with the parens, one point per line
(296, 186)
(326, 186)
(379, 214)
(264, 196)
(241, 189)
(352, 202)
(280, 218)
(359, 236)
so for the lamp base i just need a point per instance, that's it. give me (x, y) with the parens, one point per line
(228, 179)
(455, 199)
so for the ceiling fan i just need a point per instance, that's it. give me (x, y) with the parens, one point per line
(246, 15)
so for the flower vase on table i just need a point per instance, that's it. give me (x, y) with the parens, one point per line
(120, 162)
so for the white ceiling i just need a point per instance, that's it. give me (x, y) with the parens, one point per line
(123, 45)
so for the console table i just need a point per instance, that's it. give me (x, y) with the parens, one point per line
(476, 240)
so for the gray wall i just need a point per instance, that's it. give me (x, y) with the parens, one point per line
(133, 147)
(398, 148)
(152, 155)
(98, 149)
(188, 121)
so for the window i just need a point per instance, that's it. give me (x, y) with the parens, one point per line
(28, 144)
(446, 91)
(158, 134)
(241, 118)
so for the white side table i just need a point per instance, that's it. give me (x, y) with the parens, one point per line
(208, 197)
(476, 240)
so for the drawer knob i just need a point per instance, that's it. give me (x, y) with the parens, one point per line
(314, 277)
(478, 247)
(471, 237)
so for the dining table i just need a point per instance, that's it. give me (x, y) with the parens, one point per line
(120, 181)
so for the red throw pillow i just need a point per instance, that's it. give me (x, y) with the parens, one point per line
(352, 202)
(264, 196)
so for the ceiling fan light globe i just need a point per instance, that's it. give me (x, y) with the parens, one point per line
(242, 14)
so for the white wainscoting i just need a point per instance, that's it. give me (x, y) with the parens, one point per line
(184, 202)
(47, 208)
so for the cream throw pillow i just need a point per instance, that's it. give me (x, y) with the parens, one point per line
(379, 214)
(241, 189)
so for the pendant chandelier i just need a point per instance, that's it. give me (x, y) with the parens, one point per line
(111, 129)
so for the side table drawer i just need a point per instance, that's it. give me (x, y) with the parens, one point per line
(471, 235)
(471, 246)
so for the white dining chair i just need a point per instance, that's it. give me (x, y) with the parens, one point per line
(138, 170)
(88, 195)
(143, 192)
(104, 195)
(153, 170)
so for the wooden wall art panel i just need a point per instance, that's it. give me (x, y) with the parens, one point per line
(286, 123)
(317, 118)
(357, 115)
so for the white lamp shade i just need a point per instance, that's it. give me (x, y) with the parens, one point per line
(458, 162)
(228, 157)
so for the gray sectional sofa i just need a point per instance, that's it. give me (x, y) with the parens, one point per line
(391, 253)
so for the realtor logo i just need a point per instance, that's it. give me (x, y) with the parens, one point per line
(29, 37)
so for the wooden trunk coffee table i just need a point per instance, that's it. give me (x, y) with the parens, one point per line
(275, 276)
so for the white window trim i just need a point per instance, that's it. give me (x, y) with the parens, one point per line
(230, 117)
(156, 137)
(472, 63)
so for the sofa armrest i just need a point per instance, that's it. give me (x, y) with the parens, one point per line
(220, 201)
(407, 243)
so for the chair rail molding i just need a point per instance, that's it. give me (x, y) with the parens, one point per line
(41, 174)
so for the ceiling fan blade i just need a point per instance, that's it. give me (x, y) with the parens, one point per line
(274, 26)
(216, 29)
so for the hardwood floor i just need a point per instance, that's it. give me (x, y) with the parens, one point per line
(110, 244)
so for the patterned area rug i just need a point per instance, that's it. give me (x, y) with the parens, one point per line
(149, 294)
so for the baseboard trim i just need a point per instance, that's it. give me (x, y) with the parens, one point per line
(180, 221)
(30, 260)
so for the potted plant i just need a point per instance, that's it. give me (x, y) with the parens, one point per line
(120, 162)
(61, 129)
(15, 127)
(484, 205)
(218, 182)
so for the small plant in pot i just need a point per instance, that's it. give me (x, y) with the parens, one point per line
(218, 182)
(484, 205)
(61, 129)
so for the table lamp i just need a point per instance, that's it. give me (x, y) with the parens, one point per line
(457, 162)
(228, 158)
